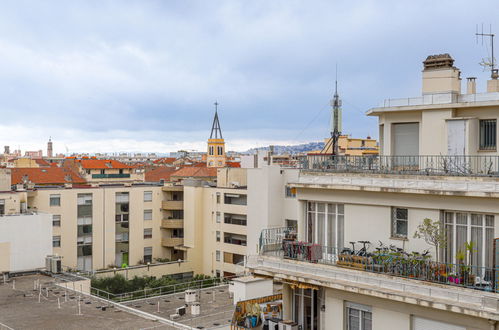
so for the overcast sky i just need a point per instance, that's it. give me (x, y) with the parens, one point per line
(143, 75)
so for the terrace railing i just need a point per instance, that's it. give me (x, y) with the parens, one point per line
(457, 165)
(474, 277)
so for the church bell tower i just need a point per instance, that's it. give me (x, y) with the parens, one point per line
(216, 144)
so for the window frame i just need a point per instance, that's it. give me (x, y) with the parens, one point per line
(147, 235)
(363, 311)
(395, 220)
(486, 131)
(55, 197)
(147, 193)
(56, 218)
(148, 211)
(56, 241)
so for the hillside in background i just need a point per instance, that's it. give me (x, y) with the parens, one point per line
(294, 149)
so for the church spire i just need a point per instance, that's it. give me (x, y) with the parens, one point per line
(216, 131)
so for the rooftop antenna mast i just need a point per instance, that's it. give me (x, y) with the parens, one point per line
(490, 62)
(336, 116)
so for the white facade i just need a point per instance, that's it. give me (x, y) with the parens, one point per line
(25, 241)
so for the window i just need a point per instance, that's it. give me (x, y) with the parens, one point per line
(147, 196)
(211, 150)
(56, 220)
(147, 214)
(292, 224)
(235, 239)
(325, 224)
(56, 241)
(2, 206)
(147, 254)
(218, 217)
(217, 255)
(235, 199)
(399, 222)
(235, 219)
(55, 200)
(218, 236)
(233, 258)
(102, 172)
(488, 134)
(178, 233)
(220, 151)
(147, 233)
(358, 317)
(290, 192)
(463, 227)
(177, 214)
(84, 209)
(218, 198)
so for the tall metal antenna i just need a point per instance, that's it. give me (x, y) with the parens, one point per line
(490, 62)
(336, 116)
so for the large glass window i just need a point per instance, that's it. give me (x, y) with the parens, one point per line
(465, 227)
(325, 222)
(236, 239)
(399, 222)
(488, 134)
(358, 317)
(306, 308)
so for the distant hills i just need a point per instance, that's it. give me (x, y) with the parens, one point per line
(294, 149)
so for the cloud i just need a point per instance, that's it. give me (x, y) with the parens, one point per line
(132, 74)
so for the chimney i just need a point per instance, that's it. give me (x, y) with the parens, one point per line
(471, 85)
(493, 85)
(440, 75)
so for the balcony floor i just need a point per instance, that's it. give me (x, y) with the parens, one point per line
(445, 297)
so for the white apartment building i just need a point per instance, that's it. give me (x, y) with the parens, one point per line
(439, 161)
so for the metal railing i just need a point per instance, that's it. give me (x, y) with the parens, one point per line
(458, 165)
(163, 290)
(399, 265)
(111, 176)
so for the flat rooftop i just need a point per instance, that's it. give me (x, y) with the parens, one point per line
(216, 308)
(20, 309)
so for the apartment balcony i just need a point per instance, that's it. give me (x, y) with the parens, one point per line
(172, 241)
(438, 165)
(172, 223)
(173, 188)
(172, 205)
(422, 282)
(111, 176)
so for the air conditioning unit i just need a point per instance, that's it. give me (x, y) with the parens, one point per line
(53, 263)
(181, 311)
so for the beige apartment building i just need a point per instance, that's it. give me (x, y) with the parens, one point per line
(439, 162)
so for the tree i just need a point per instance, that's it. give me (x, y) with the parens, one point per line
(433, 234)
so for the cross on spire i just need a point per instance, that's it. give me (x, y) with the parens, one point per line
(215, 127)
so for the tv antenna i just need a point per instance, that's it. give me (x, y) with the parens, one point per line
(488, 63)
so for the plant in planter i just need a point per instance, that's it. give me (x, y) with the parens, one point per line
(433, 233)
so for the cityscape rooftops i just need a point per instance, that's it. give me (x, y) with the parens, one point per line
(44, 176)
(102, 164)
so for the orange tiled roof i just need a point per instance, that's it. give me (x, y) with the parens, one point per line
(196, 172)
(41, 162)
(165, 160)
(159, 173)
(102, 164)
(49, 175)
(233, 164)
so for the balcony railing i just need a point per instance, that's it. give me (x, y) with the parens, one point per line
(172, 241)
(458, 165)
(111, 176)
(172, 223)
(285, 246)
